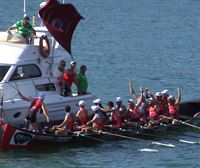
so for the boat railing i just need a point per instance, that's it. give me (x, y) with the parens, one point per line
(36, 85)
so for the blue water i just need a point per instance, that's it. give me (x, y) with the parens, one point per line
(154, 43)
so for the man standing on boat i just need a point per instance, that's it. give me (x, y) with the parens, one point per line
(82, 81)
(36, 105)
(58, 73)
(24, 28)
(69, 78)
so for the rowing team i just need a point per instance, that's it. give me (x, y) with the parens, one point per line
(148, 111)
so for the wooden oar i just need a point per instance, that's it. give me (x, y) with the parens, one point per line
(182, 122)
(138, 139)
(159, 136)
(98, 139)
(174, 132)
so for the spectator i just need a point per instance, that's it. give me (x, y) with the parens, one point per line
(82, 81)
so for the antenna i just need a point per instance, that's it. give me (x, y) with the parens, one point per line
(24, 7)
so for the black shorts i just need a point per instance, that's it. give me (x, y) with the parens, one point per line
(31, 116)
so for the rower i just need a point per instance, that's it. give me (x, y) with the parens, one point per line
(116, 119)
(97, 121)
(67, 126)
(173, 104)
(82, 114)
(165, 95)
(121, 108)
(133, 111)
(153, 113)
(98, 102)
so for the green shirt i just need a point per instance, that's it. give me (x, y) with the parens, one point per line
(83, 84)
(22, 29)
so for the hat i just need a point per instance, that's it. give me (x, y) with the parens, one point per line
(165, 92)
(98, 101)
(26, 18)
(158, 94)
(94, 108)
(118, 99)
(130, 101)
(81, 103)
(41, 96)
(171, 97)
(151, 99)
(73, 62)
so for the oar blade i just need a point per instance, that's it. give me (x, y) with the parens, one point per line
(186, 141)
(163, 144)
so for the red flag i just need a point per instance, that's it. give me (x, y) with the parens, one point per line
(61, 21)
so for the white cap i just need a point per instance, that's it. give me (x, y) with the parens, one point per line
(118, 99)
(165, 92)
(98, 101)
(130, 100)
(171, 97)
(158, 94)
(94, 108)
(73, 62)
(81, 103)
(150, 99)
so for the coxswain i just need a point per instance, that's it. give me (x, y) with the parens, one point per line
(97, 121)
(82, 114)
(37, 104)
(67, 126)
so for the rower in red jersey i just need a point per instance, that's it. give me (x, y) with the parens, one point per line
(82, 114)
(173, 104)
(153, 113)
(97, 121)
(67, 126)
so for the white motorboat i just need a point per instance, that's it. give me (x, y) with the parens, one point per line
(23, 68)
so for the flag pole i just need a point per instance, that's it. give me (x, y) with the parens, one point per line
(24, 7)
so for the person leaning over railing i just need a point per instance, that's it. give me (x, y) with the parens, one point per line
(24, 28)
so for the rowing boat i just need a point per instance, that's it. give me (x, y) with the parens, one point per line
(13, 137)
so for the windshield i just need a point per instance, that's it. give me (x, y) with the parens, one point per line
(3, 71)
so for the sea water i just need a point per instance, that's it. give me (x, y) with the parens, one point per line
(154, 43)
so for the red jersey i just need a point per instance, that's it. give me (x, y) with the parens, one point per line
(69, 78)
(173, 111)
(152, 112)
(36, 104)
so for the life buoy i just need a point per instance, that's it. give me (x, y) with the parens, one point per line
(44, 46)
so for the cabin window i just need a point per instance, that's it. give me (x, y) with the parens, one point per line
(3, 71)
(46, 87)
(25, 72)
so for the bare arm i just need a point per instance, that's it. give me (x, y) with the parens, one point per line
(132, 90)
(89, 123)
(178, 99)
(45, 111)
(63, 123)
